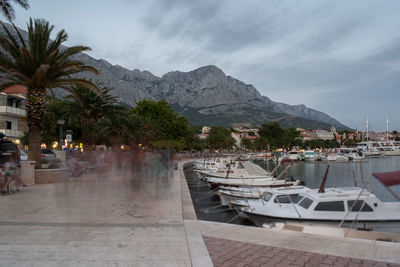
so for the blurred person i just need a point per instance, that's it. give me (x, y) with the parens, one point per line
(74, 165)
(10, 174)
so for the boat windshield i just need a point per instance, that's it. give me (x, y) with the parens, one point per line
(267, 196)
(306, 203)
(286, 199)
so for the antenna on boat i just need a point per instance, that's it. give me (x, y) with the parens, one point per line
(322, 187)
(229, 169)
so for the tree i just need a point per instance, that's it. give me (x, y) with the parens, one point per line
(272, 133)
(220, 138)
(113, 128)
(8, 11)
(169, 123)
(290, 137)
(88, 107)
(261, 144)
(247, 144)
(40, 64)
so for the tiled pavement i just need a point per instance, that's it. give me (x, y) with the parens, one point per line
(231, 253)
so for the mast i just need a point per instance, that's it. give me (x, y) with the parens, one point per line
(366, 126)
(387, 128)
(322, 187)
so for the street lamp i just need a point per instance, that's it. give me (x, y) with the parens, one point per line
(61, 123)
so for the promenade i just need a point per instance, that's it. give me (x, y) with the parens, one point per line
(145, 217)
(116, 218)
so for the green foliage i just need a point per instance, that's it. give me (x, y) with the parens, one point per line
(276, 136)
(319, 143)
(220, 138)
(8, 11)
(272, 133)
(261, 144)
(176, 145)
(169, 123)
(247, 144)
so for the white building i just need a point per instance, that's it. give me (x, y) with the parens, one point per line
(13, 121)
(324, 135)
(205, 130)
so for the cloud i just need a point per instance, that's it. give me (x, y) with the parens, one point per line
(324, 54)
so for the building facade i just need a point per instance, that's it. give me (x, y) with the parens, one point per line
(13, 121)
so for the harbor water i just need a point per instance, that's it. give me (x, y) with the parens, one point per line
(341, 174)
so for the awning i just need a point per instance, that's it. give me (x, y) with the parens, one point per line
(388, 178)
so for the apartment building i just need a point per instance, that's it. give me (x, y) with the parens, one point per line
(13, 121)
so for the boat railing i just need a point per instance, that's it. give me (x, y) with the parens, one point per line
(352, 206)
(359, 211)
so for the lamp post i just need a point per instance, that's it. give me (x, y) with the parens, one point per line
(61, 123)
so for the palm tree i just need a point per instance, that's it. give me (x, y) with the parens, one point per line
(40, 64)
(88, 107)
(113, 128)
(8, 11)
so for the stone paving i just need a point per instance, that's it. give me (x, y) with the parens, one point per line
(231, 253)
(119, 217)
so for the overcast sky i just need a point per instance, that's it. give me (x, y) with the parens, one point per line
(339, 57)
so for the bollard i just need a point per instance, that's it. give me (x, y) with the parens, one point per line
(28, 172)
(61, 154)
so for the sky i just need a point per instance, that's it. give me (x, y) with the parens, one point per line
(339, 57)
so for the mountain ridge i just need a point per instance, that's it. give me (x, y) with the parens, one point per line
(202, 93)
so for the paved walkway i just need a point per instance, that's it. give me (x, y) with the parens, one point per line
(287, 240)
(231, 253)
(120, 218)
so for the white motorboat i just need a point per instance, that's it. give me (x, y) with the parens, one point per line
(334, 157)
(228, 194)
(370, 149)
(248, 174)
(353, 154)
(294, 155)
(260, 182)
(309, 155)
(213, 163)
(242, 169)
(332, 206)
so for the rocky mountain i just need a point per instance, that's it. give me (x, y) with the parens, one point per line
(207, 96)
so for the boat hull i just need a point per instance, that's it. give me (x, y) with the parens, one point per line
(392, 226)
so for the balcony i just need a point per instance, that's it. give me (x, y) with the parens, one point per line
(18, 112)
(12, 133)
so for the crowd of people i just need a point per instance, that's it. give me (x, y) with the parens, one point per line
(100, 161)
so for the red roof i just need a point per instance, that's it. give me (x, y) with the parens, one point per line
(15, 89)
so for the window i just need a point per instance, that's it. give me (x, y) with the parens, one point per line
(330, 206)
(10, 102)
(267, 197)
(306, 203)
(357, 206)
(8, 125)
(283, 199)
(295, 198)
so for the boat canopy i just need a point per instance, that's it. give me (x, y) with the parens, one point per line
(388, 178)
